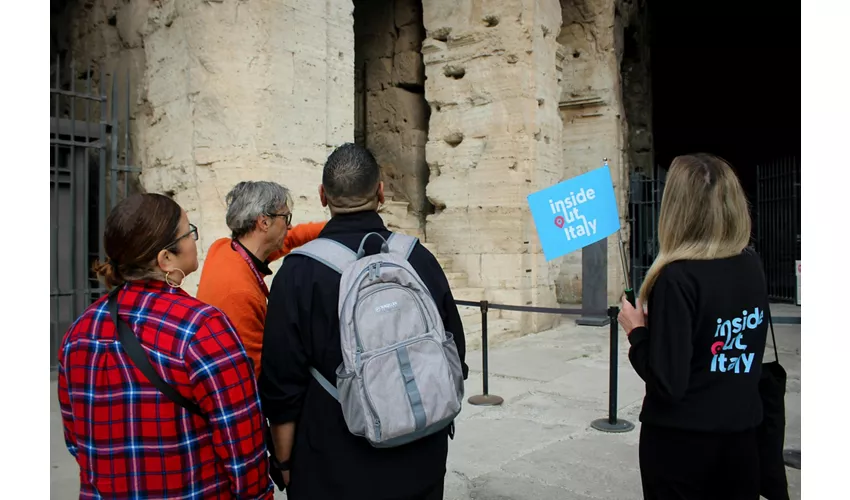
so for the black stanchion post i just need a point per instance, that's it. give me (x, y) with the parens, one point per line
(485, 399)
(612, 423)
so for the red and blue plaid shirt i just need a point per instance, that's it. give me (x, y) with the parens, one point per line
(128, 438)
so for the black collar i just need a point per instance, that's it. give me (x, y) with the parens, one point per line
(355, 222)
(262, 267)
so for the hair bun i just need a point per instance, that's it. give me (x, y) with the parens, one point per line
(108, 273)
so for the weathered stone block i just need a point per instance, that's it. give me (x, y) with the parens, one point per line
(511, 297)
(505, 270)
(378, 74)
(543, 296)
(375, 45)
(448, 191)
(496, 230)
(568, 280)
(409, 38)
(446, 14)
(408, 69)
(385, 145)
(407, 12)
(131, 20)
(450, 228)
(411, 109)
(497, 187)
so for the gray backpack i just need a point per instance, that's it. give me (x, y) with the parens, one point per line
(400, 377)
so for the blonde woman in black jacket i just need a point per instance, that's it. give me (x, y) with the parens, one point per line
(699, 345)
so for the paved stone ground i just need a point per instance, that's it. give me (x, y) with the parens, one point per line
(539, 444)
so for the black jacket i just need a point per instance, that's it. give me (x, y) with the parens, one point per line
(702, 350)
(302, 330)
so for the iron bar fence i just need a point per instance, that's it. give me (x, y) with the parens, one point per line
(644, 207)
(83, 133)
(777, 225)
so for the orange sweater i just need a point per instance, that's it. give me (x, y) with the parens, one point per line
(228, 284)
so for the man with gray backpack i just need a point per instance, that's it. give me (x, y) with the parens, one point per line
(363, 353)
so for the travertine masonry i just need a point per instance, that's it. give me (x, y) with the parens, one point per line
(234, 91)
(594, 123)
(494, 138)
(391, 111)
(469, 106)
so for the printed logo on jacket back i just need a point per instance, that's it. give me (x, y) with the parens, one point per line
(729, 355)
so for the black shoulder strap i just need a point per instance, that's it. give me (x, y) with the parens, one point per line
(137, 354)
(772, 334)
(753, 252)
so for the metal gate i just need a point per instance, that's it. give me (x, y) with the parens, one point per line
(777, 221)
(644, 206)
(84, 146)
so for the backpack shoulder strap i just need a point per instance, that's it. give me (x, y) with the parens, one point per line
(137, 355)
(331, 253)
(326, 385)
(402, 244)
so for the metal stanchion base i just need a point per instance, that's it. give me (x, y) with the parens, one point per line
(593, 321)
(486, 400)
(604, 425)
(792, 458)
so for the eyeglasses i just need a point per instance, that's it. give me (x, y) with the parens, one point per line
(288, 217)
(193, 232)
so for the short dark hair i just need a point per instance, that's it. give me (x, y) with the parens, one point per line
(351, 175)
(137, 229)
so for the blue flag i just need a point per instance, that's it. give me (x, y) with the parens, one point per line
(575, 213)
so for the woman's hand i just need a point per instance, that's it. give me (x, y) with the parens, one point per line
(631, 317)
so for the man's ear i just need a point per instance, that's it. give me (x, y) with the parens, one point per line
(381, 192)
(322, 197)
(262, 223)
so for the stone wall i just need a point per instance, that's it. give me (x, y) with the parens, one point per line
(595, 124)
(501, 99)
(494, 138)
(226, 91)
(391, 114)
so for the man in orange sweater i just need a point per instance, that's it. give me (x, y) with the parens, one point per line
(259, 215)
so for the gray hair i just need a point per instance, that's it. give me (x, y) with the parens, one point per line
(251, 199)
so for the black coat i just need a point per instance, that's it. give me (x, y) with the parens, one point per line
(302, 330)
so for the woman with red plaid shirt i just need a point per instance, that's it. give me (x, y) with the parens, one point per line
(130, 440)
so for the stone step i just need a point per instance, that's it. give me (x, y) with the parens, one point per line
(499, 331)
(471, 294)
(470, 316)
(397, 217)
(456, 280)
(445, 261)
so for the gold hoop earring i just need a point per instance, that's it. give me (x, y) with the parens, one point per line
(175, 285)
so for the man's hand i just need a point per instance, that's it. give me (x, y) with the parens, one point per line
(283, 437)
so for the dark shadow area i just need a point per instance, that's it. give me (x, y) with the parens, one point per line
(725, 80)
(722, 78)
